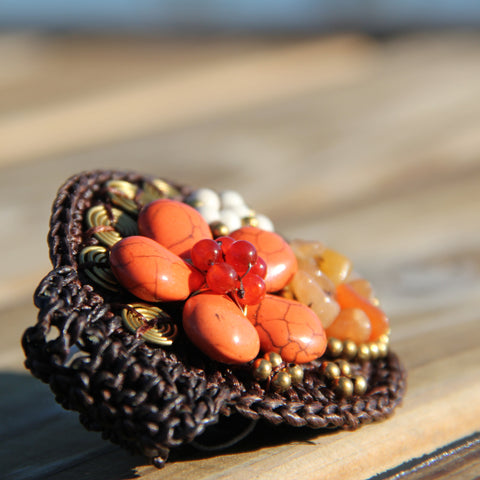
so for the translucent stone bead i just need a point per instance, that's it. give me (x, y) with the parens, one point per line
(309, 265)
(363, 287)
(336, 266)
(308, 291)
(347, 297)
(306, 249)
(350, 324)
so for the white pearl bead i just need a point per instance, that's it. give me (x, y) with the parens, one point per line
(231, 219)
(231, 199)
(205, 197)
(209, 213)
(243, 211)
(264, 222)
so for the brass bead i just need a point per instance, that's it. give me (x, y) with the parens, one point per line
(250, 221)
(194, 203)
(344, 367)
(385, 338)
(219, 229)
(281, 381)
(335, 347)
(331, 370)
(382, 349)
(261, 369)
(344, 387)
(359, 385)
(274, 358)
(296, 372)
(363, 352)
(350, 349)
(374, 350)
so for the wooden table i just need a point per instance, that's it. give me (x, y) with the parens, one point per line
(370, 146)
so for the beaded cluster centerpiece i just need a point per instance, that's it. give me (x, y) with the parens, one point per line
(188, 306)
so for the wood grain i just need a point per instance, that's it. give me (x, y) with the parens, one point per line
(371, 146)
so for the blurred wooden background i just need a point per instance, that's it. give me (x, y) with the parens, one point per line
(372, 146)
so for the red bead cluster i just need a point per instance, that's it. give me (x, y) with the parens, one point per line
(231, 267)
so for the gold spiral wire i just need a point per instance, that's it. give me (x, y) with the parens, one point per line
(96, 266)
(136, 315)
(121, 225)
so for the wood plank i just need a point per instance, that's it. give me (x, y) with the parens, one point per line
(163, 103)
(458, 460)
(436, 387)
(378, 158)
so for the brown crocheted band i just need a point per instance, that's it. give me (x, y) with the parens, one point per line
(149, 398)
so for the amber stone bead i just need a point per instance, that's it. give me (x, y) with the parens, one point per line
(350, 324)
(307, 290)
(347, 297)
(336, 266)
(363, 287)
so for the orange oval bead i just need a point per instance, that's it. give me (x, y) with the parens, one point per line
(351, 324)
(347, 297)
(334, 265)
(363, 287)
(309, 291)
(151, 272)
(219, 329)
(288, 328)
(279, 257)
(173, 224)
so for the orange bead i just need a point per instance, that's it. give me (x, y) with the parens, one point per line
(336, 266)
(275, 251)
(151, 272)
(307, 290)
(288, 328)
(363, 287)
(219, 329)
(306, 249)
(173, 224)
(351, 324)
(347, 297)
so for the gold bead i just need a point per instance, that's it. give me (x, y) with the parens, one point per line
(363, 352)
(382, 349)
(281, 381)
(359, 385)
(250, 221)
(274, 358)
(296, 372)
(350, 349)
(261, 369)
(334, 347)
(331, 370)
(219, 229)
(385, 338)
(344, 367)
(374, 350)
(344, 387)
(195, 203)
